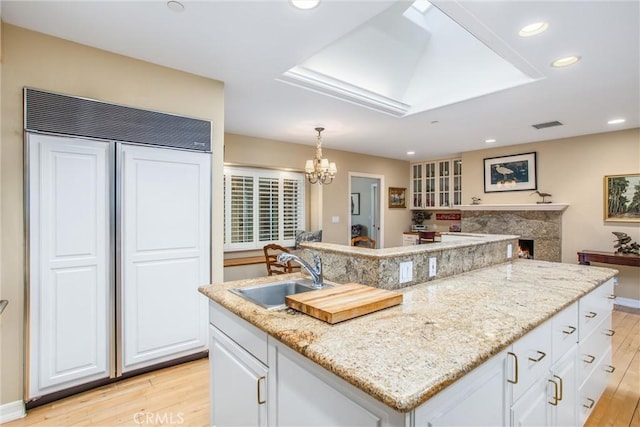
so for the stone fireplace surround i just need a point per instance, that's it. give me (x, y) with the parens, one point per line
(541, 223)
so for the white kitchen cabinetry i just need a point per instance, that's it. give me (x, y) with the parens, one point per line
(537, 381)
(165, 249)
(475, 400)
(436, 184)
(289, 390)
(308, 395)
(594, 355)
(238, 370)
(238, 384)
(69, 230)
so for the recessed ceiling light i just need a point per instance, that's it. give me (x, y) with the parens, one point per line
(566, 61)
(490, 141)
(305, 4)
(410, 153)
(175, 6)
(616, 121)
(533, 29)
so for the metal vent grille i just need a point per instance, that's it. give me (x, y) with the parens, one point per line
(547, 125)
(69, 115)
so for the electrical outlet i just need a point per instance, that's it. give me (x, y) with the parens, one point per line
(432, 266)
(509, 250)
(335, 219)
(406, 271)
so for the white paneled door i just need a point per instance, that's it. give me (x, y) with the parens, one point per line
(69, 259)
(164, 226)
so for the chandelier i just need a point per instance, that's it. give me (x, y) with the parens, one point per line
(319, 170)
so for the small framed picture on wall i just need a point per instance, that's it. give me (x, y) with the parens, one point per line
(355, 203)
(397, 197)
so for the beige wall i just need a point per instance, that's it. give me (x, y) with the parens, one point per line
(335, 198)
(572, 170)
(39, 61)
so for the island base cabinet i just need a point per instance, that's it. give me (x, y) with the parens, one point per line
(238, 384)
(532, 409)
(304, 394)
(591, 390)
(475, 400)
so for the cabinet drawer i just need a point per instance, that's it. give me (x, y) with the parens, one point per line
(593, 349)
(409, 239)
(239, 330)
(565, 331)
(594, 307)
(533, 355)
(590, 391)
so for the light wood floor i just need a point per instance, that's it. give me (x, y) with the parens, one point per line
(179, 395)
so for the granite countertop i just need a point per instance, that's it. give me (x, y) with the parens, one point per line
(461, 240)
(443, 329)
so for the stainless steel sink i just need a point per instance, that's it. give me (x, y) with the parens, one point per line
(271, 295)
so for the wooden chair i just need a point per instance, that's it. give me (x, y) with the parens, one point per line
(364, 241)
(426, 237)
(271, 253)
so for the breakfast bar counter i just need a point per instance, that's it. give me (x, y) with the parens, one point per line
(404, 355)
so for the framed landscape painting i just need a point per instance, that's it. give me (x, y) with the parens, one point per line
(622, 198)
(397, 197)
(510, 173)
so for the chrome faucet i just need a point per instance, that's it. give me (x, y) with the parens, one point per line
(315, 271)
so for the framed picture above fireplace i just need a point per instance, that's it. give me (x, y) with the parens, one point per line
(622, 198)
(510, 173)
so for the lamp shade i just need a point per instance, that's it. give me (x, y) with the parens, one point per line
(308, 167)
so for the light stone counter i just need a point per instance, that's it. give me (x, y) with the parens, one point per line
(445, 328)
(456, 253)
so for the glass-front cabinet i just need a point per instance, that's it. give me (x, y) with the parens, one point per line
(436, 184)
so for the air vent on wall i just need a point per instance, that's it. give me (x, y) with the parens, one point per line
(50, 112)
(547, 125)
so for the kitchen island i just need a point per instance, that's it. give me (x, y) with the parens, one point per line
(394, 363)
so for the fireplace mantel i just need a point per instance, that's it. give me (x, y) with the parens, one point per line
(516, 207)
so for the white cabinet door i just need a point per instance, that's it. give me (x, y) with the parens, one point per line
(564, 375)
(69, 264)
(164, 198)
(477, 399)
(238, 384)
(304, 394)
(533, 409)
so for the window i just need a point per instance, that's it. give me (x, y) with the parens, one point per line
(262, 206)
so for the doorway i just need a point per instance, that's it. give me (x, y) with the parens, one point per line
(365, 206)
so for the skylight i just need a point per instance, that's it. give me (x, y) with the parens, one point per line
(410, 59)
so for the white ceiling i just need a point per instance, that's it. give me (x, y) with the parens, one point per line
(249, 45)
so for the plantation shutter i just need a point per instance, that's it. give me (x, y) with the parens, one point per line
(241, 214)
(261, 207)
(292, 209)
(268, 209)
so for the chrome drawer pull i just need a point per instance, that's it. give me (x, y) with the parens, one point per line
(590, 315)
(609, 369)
(541, 356)
(610, 333)
(591, 403)
(570, 330)
(515, 358)
(590, 356)
(555, 397)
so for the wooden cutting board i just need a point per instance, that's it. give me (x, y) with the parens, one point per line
(343, 302)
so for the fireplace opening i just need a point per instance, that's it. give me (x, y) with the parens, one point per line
(525, 249)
